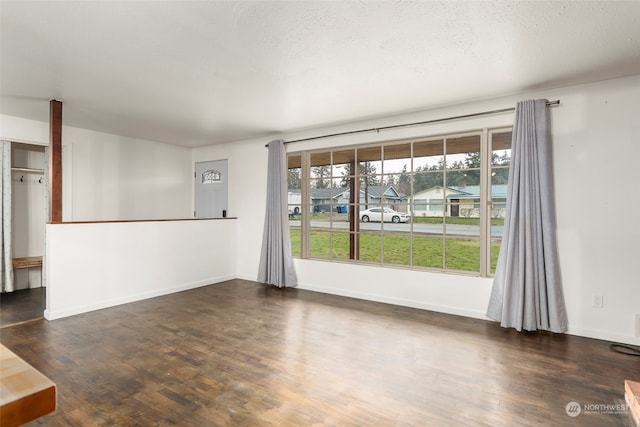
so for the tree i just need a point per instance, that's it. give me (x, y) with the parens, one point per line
(367, 175)
(403, 184)
(368, 178)
(293, 179)
(428, 176)
(500, 167)
(322, 175)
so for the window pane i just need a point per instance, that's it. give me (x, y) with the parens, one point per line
(397, 187)
(464, 145)
(371, 190)
(340, 245)
(371, 219)
(397, 158)
(462, 253)
(500, 157)
(296, 241)
(401, 207)
(462, 248)
(294, 210)
(319, 243)
(495, 251)
(500, 161)
(397, 248)
(294, 201)
(339, 194)
(370, 246)
(498, 198)
(342, 163)
(501, 140)
(320, 177)
(342, 183)
(463, 158)
(294, 161)
(320, 159)
(427, 250)
(370, 164)
(320, 213)
(428, 155)
(429, 182)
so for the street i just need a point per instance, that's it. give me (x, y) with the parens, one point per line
(452, 229)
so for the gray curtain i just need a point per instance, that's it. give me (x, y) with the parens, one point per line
(527, 288)
(6, 282)
(276, 264)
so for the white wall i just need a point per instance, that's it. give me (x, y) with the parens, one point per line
(247, 188)
(99, 265)
(596, 148)
(27, 202)
(111, 177)
(17, 129)
(119, 178)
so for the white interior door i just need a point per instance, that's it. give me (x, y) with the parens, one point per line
(211, 186)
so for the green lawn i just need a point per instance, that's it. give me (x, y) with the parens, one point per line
(395, 248)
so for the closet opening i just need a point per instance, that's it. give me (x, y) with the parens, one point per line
(27, 300)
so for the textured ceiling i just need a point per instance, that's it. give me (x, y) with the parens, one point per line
(195, 73)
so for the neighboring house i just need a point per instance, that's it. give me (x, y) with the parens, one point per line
(320, 201)
(462, 201)
(323, 199)
(374, 194)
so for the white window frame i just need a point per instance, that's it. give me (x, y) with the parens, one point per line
(485, 199)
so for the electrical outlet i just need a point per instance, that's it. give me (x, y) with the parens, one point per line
(597, 301)
(638, 325)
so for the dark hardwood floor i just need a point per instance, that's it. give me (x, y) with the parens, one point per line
(21, 306)
(240, 353)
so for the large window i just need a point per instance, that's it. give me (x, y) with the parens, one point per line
(432, 203)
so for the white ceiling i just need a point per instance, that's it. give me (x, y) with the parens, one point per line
(202, 72)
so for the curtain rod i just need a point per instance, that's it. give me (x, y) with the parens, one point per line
(426, 122)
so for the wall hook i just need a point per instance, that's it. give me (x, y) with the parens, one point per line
(40, 180)
(22, 178)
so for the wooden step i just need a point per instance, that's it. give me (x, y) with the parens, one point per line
(26, 393)
(632, 396)
(26, 262)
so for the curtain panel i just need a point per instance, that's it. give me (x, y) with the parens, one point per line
(6, 284)
(527, 288)
(276, 263)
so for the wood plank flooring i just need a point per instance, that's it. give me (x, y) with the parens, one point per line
(239, 353)
(21, 306)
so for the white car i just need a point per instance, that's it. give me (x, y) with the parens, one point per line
(384, 215)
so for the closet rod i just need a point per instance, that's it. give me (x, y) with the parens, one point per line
(426, 122)
(28, 170)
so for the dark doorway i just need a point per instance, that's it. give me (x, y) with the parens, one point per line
(455, 207)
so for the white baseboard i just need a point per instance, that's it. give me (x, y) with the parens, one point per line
(53, 315)
(395, 301)
(585, 333)
(603, 335)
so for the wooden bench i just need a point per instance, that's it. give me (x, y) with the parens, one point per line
(27, 262)
(25, 394)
